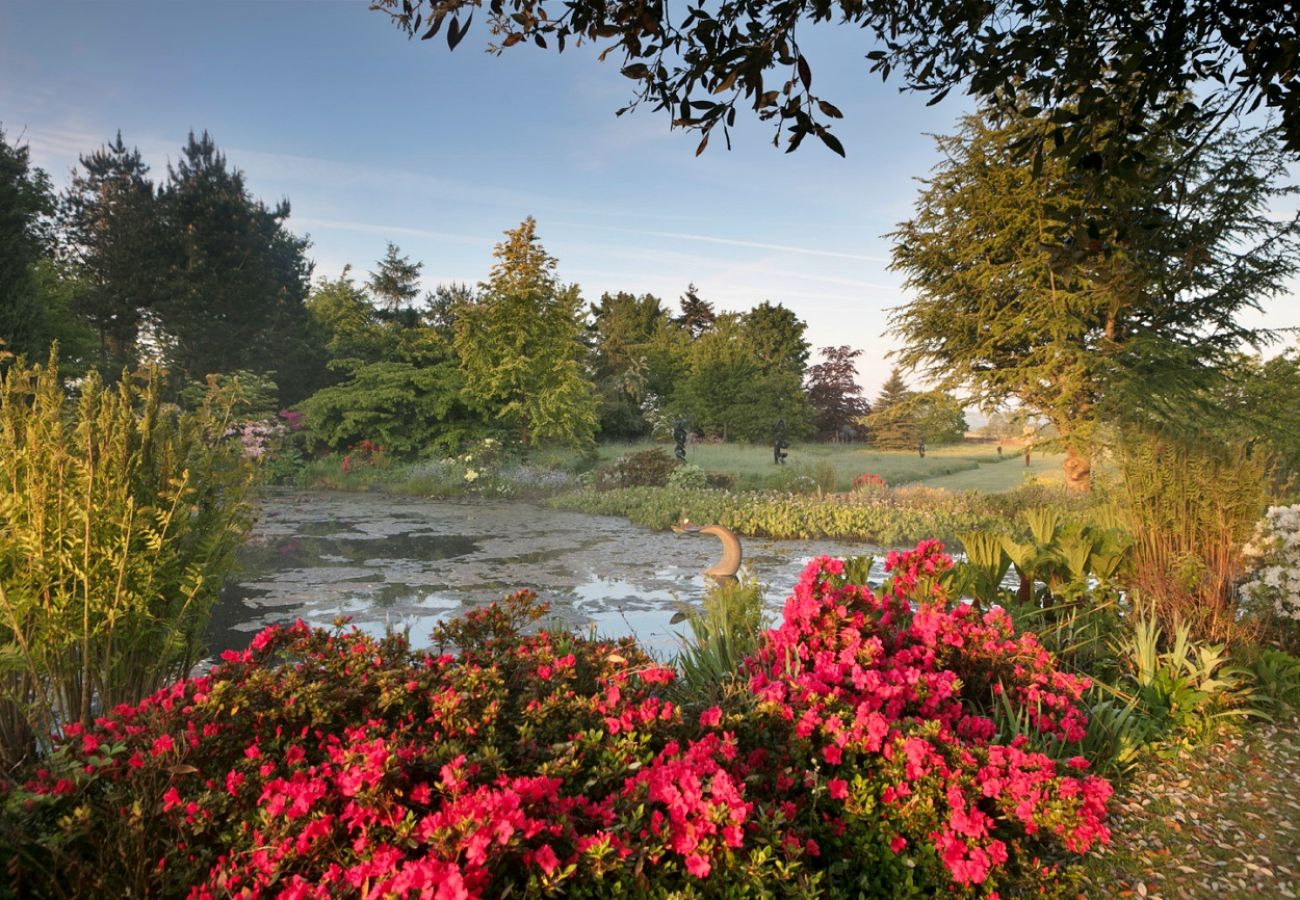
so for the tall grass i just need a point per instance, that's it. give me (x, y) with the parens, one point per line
(119, 516)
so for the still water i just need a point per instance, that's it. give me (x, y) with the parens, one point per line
(406, 564)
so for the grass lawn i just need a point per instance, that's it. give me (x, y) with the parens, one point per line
(958, 467)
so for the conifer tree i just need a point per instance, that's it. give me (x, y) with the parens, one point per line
(397, 280)
(1102, 330)
(521, 349)
(891, 423)
(236, 277)
(697, 314)
(112, 234)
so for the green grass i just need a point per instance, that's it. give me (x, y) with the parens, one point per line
(958, 467)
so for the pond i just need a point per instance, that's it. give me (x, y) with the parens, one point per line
(406, 563)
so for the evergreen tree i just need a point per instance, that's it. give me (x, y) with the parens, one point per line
(520, 346)
(697, 315)
(442, 304)
(627, 360)
(834, 393)
(112, 234)
(1100, 330)
(396, 282)
(25, 202)
(236, 278)
(891, 422)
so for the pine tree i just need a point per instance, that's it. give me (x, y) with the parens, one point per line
(891, 423)
(236, 278)
(397, 281)
(111, 232)
(521, 349)
(697, 315)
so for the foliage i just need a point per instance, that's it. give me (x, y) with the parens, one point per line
(725, 630)
(25, 200)
(119, 519)
(729, 392)
(1096, 331)
(890, 424)
(1113, 72)
(697, 314)
(1190, 509)
(335, 764)
(633, 357)
(835, 395)
(1189, 687)
(891, 517)
(520, 346)
(345, 321)
(409, 408)
(776, 336)
(1277, 678)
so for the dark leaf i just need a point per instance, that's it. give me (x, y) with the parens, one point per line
(831, 141)
(805, 72)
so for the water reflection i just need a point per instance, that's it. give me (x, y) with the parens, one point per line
(408, 564)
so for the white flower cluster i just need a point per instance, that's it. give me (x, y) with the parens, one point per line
(1274, 553)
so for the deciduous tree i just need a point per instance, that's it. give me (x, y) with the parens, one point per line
(834, 393)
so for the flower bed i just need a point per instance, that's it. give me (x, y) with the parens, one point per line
(863, 759)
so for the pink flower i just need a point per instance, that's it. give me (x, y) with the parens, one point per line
(711, 717)
(698, 865)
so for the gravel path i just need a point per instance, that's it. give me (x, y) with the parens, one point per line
(1215, 822)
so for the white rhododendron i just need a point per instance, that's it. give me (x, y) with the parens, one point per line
(1274, 555)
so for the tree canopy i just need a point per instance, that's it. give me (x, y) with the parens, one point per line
(1090, 333)
(1109, 69)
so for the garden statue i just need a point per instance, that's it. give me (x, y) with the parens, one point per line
(679, 438)
(999, 451)
(780, 440)
(726, 568)
(920, 448)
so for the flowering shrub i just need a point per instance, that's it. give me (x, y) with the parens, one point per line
(1274, 555)
(324, 764)
(893, 757)
(868, 480)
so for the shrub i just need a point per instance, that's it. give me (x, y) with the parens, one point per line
(688, 478)
(865, 762)
(1272, 587)
(644, 468)
(119, 518)
(1190, 510)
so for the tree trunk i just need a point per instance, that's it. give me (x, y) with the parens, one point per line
(1078, 470)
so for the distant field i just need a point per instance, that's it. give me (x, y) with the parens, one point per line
(958, 467)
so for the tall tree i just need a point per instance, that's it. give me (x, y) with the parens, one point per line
(727, 392)
(834, 393)
(25, 203)
(626, 362)
(777, 337)
(1085, 332)
(111, 231)
(397, 280)
(697, 315)
(520, 346)
(237, 277)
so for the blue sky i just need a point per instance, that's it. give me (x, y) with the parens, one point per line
(374, 138)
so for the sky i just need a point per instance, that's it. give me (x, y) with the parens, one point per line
(374, 138)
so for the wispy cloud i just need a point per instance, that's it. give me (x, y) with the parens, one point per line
(734, 242)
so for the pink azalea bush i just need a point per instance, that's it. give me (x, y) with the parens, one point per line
(863, 760)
